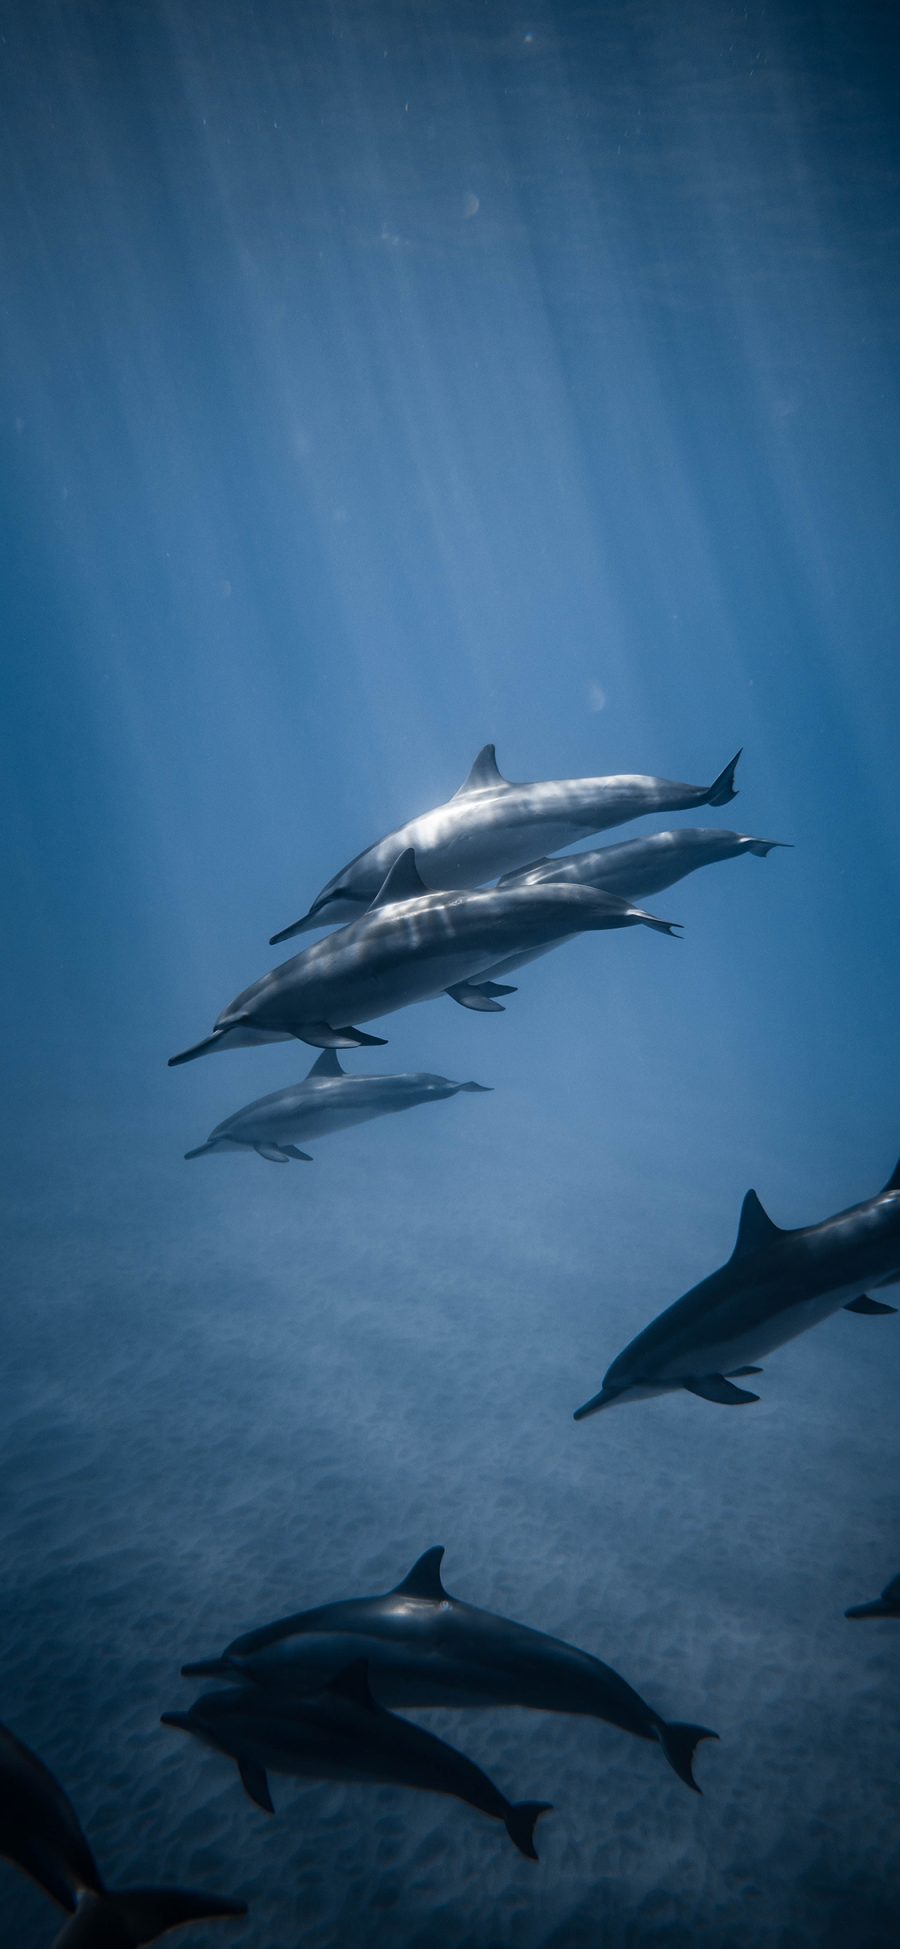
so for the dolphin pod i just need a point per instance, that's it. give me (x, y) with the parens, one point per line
(328, 1100)
(887, 1605)
(40, 1834)
(491, 826)
(775, 1286)
(410, 946)
(342, 1734)
(426, 1648)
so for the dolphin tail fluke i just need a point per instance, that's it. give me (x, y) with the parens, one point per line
(679, 1743)
(723, 788)
(521, 1821)
(138, 1915)
(761, 847)
(672, 927)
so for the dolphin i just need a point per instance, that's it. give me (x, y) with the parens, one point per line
(887, 1605)
(40, 1834)
(342, 1734)
(638, 867)
(426, 1648)
(409, 946)
(775, 1285)
(328, 1100)
(491, 826)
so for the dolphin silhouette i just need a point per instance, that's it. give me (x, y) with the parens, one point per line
(887, 1605)
(491, 826)
(775, 1285)
(637, 867)
(328, 1100)
(342, 1734)
(40, 1834)
(426, 1648)
(409, 946)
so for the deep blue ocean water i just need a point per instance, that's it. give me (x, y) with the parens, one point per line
(378, 380)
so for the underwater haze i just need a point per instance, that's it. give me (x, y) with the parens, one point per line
(380, 379)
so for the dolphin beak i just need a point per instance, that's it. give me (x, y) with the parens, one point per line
(604, 1399)
(878, 1608)
(181, 1720)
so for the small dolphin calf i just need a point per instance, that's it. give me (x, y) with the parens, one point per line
(409, 946)
(40, 1833)
(775, 1285)
(638, 867)
(887, 1605)
(341, 1734)
(426, 1648)
(491, 826)
(328, 1100)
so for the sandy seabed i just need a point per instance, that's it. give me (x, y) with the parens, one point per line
(235, 1391)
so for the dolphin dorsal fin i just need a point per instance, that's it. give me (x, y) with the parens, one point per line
(893, 1183)
(352, 1684)
(327, 1064)
(755, 1229)
(404, 882)
(485, 774)
(424, 1579)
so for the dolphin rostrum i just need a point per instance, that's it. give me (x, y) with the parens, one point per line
(491, 826)
(328, 1100)
(775, 1285)
(40, 1834)
(887, 1605)
(638, 867)
(342, 1734)
(409, 946)
(426, 1648)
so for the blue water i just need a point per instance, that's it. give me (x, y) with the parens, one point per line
(379, 380)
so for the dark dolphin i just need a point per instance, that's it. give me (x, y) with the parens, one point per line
(775, 1285)
(342, 1734)
(328, 1100)
(40, 1833)
(491, 826)
(426, 1648)
(410, 946)
(887, 1605)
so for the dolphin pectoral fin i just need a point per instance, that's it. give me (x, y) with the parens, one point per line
(302, 1156)
(679, 1743)
(723, 788)
(714, 1387)
(468, 996)
(255, 1783)
(869, 1306)
(495, 988)
(271, 1153)
(321, 1035)
(520, 1822)
(737, 1373)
